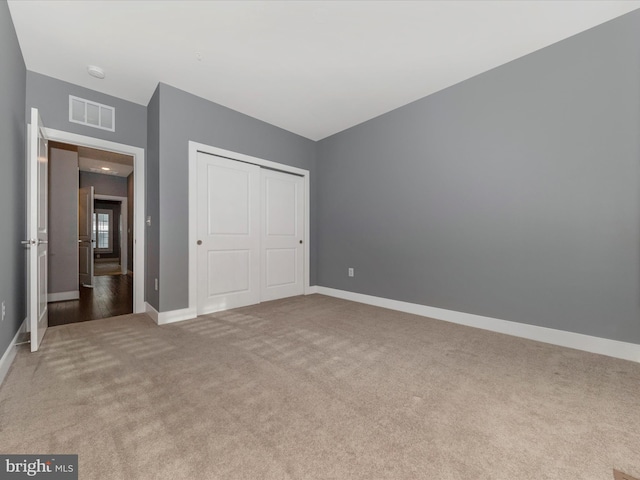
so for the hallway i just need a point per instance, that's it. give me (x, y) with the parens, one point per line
(111, 296)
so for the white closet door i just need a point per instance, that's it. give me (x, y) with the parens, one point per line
(282, 235)
(228, 234)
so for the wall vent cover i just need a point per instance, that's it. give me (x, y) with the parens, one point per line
(92, 114)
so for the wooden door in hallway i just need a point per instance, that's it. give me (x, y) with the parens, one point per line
(86, 242)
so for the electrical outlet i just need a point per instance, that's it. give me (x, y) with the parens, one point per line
(618, 475)
(351, 272)
(4, 311)
(156, 284)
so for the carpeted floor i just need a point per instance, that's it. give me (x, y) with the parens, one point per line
(319, 388)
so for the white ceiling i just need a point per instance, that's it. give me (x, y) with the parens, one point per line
(310, 67)
(96, 161)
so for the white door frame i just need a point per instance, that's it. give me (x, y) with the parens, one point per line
(138, 200)
(194, 148)
(124, 240)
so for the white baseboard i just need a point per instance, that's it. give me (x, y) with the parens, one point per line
(10, 353)
(162, 318)
(152, 312)
(602, 346)
(176, 315)
(312, 290)
(62, 296)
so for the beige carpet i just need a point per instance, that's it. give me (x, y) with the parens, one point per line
(319, 388)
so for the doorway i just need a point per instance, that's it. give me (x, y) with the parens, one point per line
(138, 241)
(111, 228)
(102, 184)
(92, 268)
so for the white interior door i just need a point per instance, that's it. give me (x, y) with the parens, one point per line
(37, 230)
(85, 236)
(282, 251)
(228, 233)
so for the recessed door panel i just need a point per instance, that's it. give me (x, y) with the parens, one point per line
(229, 193)
(42, 281)
(281, 267)
(237, 265)
(280, 195)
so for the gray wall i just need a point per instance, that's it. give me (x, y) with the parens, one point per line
(51, 97)
(104, 184)
(152, 193)
(513, 195)
(12, 180)
(63, 220)
(184, 117)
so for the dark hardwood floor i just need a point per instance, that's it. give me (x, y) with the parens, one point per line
(111, 296)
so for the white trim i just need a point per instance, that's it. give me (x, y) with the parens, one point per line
(307, 233)
(124, 230)
(602, 346)
(62, 296)
(176, 316)
(152, 312)
(194, 148)
(312, 290)
(10, 353)
(138, 200)
(163, 318)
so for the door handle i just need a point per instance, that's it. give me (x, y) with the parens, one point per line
(28, 242)
(41, 242)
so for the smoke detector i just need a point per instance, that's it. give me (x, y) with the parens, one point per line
(96, 72)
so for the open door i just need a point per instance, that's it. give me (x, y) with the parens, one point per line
(37, 230)
(85, 236)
